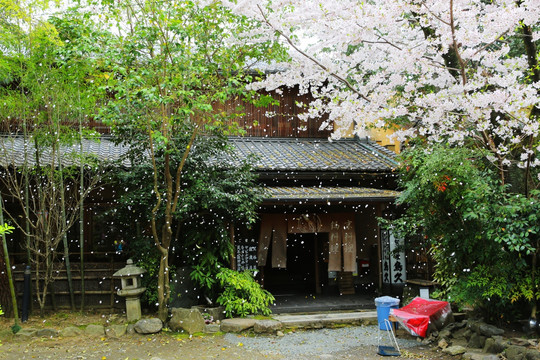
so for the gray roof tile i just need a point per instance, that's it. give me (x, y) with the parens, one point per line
(12, 150)
(327, 194)
(314, 154)
(273, 154)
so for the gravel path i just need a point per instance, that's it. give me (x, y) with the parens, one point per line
(351, 343)
(321, 343)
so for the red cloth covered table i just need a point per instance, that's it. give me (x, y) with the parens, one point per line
(419, 313)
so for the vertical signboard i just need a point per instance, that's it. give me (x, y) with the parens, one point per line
(393, 259)
(246, 254)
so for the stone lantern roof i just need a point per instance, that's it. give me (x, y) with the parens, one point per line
(129, 270)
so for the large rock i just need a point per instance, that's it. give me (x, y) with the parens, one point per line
(474, 325)
(515, 352)
(237, 325)
(494, 345)
(479, 356)
(70, 331)
(148, 326)
(26, 333)
(490, 330)
(445, 334)
(463, 333)
(458, 325)
(267, 326)
(116, 331)
(215, 312)
(455, 350)
(189, 320)
(482, 328)
(476, 341)
(532, 354)
(94, 330)
(522, 342)
(443, 344)
(47, 333)
(212, 328)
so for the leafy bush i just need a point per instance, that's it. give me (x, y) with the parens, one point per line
(207, 247)
(242, 295)
(483, 238)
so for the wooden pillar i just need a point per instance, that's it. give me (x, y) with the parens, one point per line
(378, 211)
(318, 289)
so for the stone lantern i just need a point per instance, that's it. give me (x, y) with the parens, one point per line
(130, 276)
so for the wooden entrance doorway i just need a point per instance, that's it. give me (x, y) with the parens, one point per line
(307, 266)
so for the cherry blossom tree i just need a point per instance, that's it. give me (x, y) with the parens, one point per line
(448, 71)
(454, 73)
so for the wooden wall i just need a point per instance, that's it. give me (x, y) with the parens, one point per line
(277, 120)
(269, 121)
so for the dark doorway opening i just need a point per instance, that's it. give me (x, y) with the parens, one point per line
(307, 266)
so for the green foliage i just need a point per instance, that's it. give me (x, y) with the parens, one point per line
(208, 248)
(1, 312)
(169, 74)
(6, 229)
(46, 98)
(212, 198)
(480, 235)
(242, 295)
(15, 328)
(517, 223)
(178, 63)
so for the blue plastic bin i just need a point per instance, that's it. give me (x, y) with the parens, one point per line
(384, 304)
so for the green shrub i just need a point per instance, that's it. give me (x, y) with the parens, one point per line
(483, 237)
(207, 247)
(242, 295)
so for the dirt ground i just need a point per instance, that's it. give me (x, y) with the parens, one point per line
(163, 346)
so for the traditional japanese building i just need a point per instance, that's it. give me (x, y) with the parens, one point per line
(318, 231)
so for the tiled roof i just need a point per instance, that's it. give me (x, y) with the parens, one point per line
(314, 154)
(327, 194)
(12, 149)
(273, 154)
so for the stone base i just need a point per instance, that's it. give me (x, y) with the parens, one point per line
(133, 309)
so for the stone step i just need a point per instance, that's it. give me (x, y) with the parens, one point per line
(327, 319)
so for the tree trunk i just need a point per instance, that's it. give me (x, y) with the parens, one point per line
(81, 209)
(8, 267)
(5, 299)
(81, 228)
(163, 286)
(533, 281)
(64, 224)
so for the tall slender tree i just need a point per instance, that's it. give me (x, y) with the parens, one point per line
(40, 73)
(456, 72)
(174, 65)
(6, 229)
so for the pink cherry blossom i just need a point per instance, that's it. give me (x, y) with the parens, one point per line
(369, 62)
